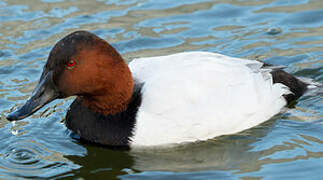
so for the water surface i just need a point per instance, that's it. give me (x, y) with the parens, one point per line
(280, 32)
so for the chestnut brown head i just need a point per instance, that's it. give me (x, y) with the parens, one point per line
(82, 64)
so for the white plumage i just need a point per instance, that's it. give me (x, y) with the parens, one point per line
(199, 95)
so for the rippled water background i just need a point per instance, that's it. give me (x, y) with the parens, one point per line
(281, 32)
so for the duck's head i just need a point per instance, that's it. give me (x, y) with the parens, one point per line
(84, 65)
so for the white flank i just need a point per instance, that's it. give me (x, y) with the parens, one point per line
(198, 95)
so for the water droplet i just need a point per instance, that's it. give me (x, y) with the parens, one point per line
(274, 31)
(14, 131)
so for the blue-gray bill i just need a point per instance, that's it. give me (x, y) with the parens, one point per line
(44, 93)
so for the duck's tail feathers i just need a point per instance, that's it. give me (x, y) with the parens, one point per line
(295, 85)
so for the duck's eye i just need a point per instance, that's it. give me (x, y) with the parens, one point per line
(71, 64)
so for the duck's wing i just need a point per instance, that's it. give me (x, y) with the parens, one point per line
(197, 96)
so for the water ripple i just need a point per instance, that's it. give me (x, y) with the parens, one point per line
(23, 159)
(29, 159)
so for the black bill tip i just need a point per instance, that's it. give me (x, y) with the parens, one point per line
(24, 111)
(44, 93)
(14, 116)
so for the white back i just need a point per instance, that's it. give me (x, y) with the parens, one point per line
(198, 95)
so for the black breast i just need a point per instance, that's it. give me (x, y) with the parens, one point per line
(111, 130)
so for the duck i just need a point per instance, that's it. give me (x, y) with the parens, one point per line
(153, 101)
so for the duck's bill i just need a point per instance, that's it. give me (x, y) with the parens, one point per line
(44, 93)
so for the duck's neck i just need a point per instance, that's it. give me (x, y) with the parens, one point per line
(112, 129)
(114, 92)
(109, 103)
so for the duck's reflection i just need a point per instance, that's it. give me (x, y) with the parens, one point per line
(102, 162)
(240, 153)
(222, 153)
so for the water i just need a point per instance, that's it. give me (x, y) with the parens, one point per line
(281, 32)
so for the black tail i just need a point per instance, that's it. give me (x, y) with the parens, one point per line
(296, 86)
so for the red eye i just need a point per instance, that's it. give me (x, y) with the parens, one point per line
(71, 64)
